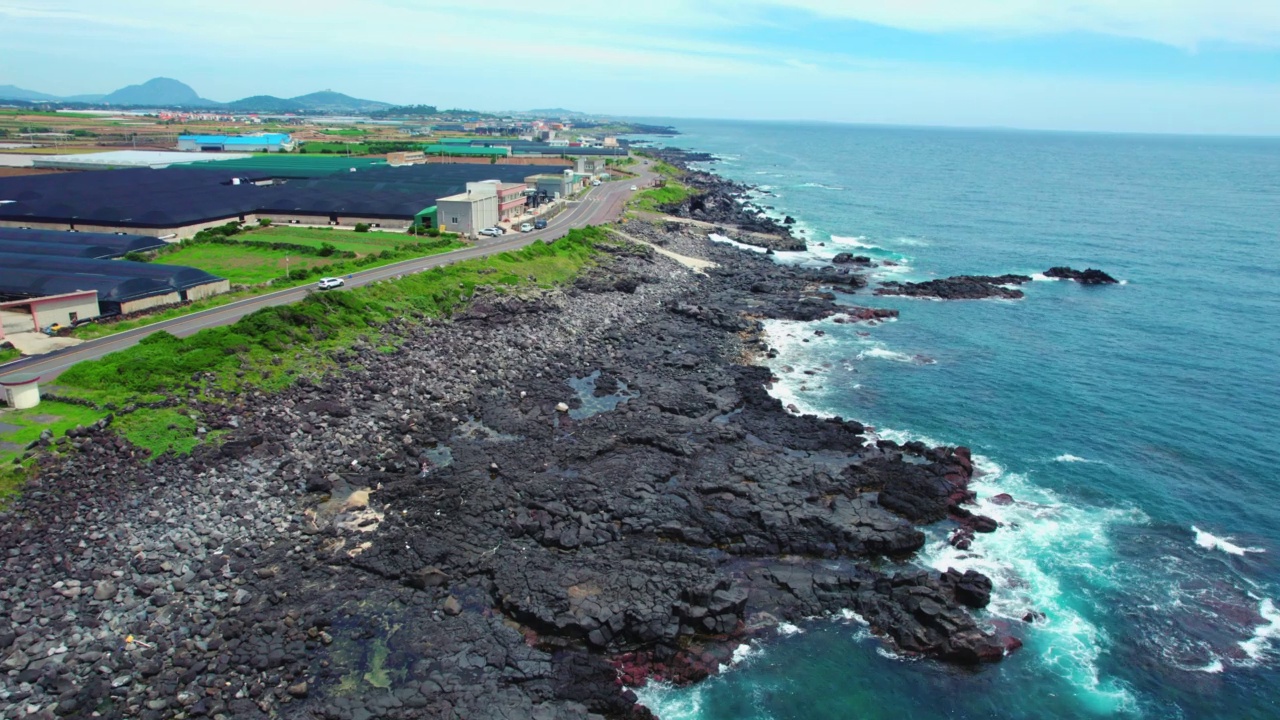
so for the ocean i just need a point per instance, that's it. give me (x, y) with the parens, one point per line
(1133, 424)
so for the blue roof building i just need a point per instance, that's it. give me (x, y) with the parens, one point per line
(266, 142)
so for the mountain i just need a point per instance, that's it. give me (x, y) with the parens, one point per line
(12, 92)
(170, 93)
(266, 104)
(329, 101)
(160, 91)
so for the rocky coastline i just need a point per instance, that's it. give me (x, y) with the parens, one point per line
(522, 511)
(723, 202)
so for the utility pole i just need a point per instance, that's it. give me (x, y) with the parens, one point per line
(287, 276)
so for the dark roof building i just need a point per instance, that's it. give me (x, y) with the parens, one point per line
(179, 200)
(118, 243)
(120, 284)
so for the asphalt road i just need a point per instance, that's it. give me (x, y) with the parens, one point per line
(600, 204)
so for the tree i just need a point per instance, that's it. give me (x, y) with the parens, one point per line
(362, 227)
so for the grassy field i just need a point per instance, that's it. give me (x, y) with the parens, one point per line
(240, 264)
(654, 198)
(269, 349)
(334, 148)
(28, 424)
(359, 243)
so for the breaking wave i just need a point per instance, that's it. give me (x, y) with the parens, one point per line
(1209, 541)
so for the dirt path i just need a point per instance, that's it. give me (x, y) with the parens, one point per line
(697, 265)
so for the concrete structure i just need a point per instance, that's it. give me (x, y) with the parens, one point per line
(121, 159)
(593, 165)
(470, 212)
(266, 142)
(557, 185)
(396, 159)
(65, 309)
(21, 391)
(511, 200)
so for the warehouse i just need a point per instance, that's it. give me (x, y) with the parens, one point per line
(115, 245)
(266, 142)
(122, 159)
(122, 287)
(469, 212)
(31, 314)
(179, 202)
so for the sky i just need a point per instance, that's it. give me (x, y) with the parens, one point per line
(1165, 66)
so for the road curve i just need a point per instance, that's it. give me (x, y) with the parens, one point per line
(600, 204)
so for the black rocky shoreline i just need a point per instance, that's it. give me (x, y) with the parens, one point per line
(443, 532)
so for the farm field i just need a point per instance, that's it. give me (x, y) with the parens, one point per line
(242, 265)
(348, 240)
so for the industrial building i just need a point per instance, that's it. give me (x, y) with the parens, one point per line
(178, 202)
(99, 246)
(31, 314)
(266, 142)
(122, 286)
(555, 185)
(121, 159)
(469, 212)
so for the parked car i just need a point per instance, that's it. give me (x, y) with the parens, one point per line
(330, 283)
(526, 227)
(491, 232)
(594, 183)
(633, 187)
(539, 224)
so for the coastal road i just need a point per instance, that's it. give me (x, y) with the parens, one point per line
(600, 204)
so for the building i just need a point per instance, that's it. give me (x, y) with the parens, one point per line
(512, 200)
(21, 391)
(396, 159)
(121, 287)
(178, 202)
(266, 142)
(121, 159)
(66, 309)
(469, 212)
(555, 185)
(590, 165)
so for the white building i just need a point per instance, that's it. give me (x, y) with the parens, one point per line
(470, 212)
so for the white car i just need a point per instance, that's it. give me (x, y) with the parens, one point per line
(491, 232)
(526, 227)
(633, 188)
(330, 283)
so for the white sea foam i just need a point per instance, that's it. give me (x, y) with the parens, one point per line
(1069, 458)
(787, 628)
(859, 242)
(1257, 646)
(744, 652)
(1214, 667)
(820, 186)
(668, 703)
(883, 353)
(1041, 277)
(716, 237)
(854, 617)
(1209, 541)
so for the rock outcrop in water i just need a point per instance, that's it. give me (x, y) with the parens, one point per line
(432, 534)
(1084, 277)
(960, 287)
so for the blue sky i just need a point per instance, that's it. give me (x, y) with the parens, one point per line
(1195, 66)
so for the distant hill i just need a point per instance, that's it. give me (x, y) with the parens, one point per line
(164, 92)
(158, 92)
(13, 92)
(329, 101)
(266, 104)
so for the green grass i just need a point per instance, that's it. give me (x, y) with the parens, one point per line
(240, 264)
(9, 354)
(334, 148)
(359, 243)
(346, 132)
(654, 198)
(269, 349)
(159, 430)
(50, 414)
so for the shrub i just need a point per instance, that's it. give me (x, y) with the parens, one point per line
(362, 227)
(264, 222)
(327, 249)
(135, 256)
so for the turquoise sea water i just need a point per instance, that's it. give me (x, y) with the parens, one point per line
(1136, 425)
